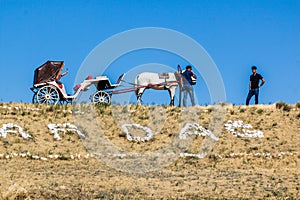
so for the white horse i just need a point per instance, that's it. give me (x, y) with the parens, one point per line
(165, 81)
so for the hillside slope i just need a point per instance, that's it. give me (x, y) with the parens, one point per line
(43, 167)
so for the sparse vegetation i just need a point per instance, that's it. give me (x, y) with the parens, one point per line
(260, 111)
(287, 108)
(284, 106)
(242, 110)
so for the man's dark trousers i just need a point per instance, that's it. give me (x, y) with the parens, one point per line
(250, 95)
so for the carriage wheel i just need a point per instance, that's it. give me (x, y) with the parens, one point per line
(47, 95)
(101, 97)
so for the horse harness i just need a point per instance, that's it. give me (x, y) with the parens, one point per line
(164, 76)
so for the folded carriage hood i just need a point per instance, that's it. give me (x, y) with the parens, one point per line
(49, 71)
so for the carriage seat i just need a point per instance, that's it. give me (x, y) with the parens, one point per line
(104, 82)
(86, 87)
(61, 87)
(76, 87)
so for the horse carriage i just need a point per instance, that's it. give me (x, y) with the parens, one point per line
(48, 89)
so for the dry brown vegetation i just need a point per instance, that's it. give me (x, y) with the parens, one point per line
(236, 168)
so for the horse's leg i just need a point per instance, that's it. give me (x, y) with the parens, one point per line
(172, 90)
(139, 95)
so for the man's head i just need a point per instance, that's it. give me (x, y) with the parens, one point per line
(188, 68)
(254, 68)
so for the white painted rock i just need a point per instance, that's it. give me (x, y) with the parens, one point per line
(232, 127)
(10, 128)
(199, 131)
(63, 128)
(130, 137)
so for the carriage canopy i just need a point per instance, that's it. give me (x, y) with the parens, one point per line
(49, 71)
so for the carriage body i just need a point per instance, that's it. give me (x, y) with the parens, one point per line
(46, 86)
(104, 89)
(48, 89)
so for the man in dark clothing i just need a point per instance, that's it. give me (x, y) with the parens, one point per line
(188, 80)
(254, 85)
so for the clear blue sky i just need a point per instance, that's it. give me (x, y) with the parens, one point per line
(236, 33)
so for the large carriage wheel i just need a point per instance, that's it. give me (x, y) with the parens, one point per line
(47, 95)
(101, 97)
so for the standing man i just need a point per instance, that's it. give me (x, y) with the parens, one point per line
(188, 80)
(254, 85)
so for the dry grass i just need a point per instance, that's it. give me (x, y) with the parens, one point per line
(230, 171)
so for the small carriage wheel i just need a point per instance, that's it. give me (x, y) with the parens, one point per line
(47, 95)
(101, 97)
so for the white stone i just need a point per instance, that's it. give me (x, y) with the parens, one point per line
(200, 131)
(231, 126)
(9, 128)
(130, 137)
(23, 155)
(63, 128)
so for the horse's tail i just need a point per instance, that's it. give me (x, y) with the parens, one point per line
(136, 89)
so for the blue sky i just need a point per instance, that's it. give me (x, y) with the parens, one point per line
(236, 33)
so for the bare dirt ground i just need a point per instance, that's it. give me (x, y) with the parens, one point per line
(236, 168)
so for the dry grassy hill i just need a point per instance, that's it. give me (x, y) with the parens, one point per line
(236, 167)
